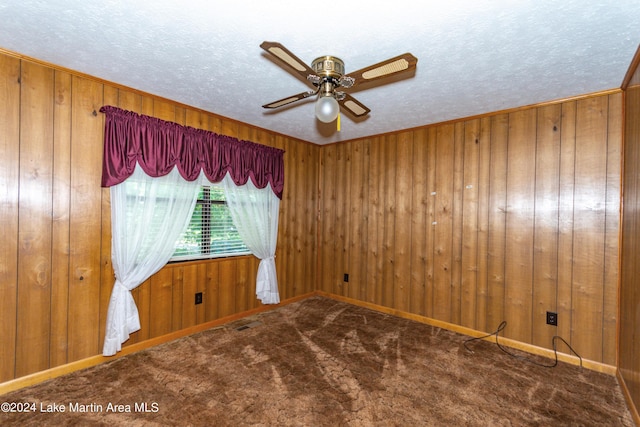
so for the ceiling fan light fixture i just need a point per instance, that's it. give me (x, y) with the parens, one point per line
(327, 108)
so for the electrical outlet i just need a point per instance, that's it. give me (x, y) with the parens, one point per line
(198, 298)
(346, 277)
(552, 318)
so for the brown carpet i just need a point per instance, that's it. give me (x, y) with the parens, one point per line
(321, 362)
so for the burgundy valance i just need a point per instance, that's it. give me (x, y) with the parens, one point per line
(157, 146)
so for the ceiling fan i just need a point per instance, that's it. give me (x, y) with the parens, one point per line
(326, 76)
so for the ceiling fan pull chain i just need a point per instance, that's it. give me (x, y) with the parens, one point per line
(338, 122)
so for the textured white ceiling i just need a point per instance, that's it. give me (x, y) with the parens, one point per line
(474, 56)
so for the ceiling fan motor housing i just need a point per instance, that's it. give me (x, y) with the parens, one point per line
(328, 66)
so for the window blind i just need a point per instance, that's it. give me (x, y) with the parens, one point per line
(211, 232)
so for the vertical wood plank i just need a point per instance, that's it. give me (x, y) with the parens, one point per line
(242, 284)
(201, 310)
(34, 230)
(298, 220)
(210, 293)
(9, 184)
(229, 128)
(612, 229)
(419, 216)
(195, 119)
(430, 226)
(484, 174)
(147, 106)
(311, 213)
(545, 256)
(519, 238)
(326, 269)
(161, 307)
(181, 115)
(469, 243)
(190, 279)
(60, 218)
(375, 222)
(85, 207)
(226, 288)
(589, 226)
(629, 344)
(629, 357)
(402, 247)
(177, 297)
(164, 110)
(341, 212)
(214, 123)
(357, 219)
(131, 101)
(388, 243)
(443, 245)
(496, 254)
(565, 222)
(457, 221)
(295, 218)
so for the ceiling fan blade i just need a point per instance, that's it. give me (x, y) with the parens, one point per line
(289, 99)
(353, 106)
(294, 63)
(382, 69)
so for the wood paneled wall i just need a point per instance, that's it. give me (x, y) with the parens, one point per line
(55, 263)
(473, 222)
(503, 217)
(629, 341)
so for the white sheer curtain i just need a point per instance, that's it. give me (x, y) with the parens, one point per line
(147, 217)
(255, 215)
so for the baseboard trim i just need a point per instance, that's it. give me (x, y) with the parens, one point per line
(38, 377)
(529, 348)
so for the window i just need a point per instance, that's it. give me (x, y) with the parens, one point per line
(211, 232)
